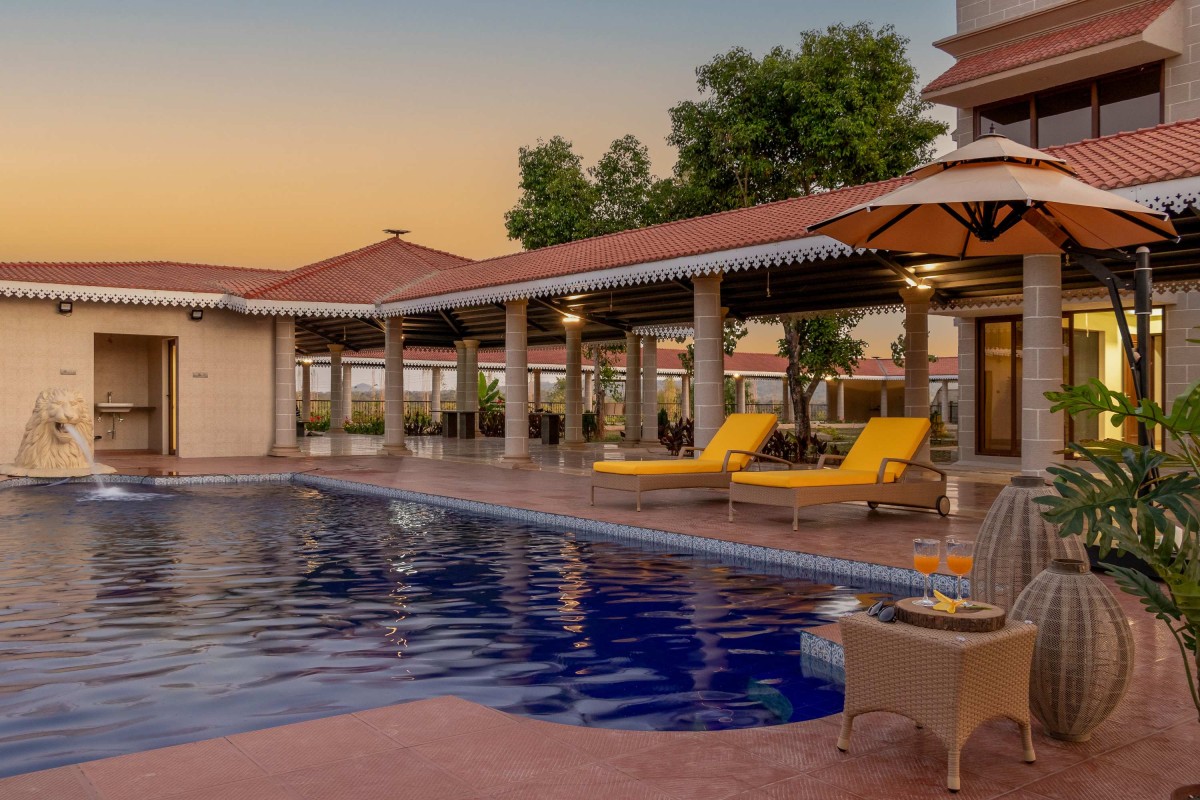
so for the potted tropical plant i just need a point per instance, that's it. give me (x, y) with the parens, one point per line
(1142, 502)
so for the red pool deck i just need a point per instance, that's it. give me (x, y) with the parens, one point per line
(450, 748)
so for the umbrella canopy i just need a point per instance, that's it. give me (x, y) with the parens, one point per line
(995, 197)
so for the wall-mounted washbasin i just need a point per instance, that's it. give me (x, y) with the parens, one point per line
(114, 408)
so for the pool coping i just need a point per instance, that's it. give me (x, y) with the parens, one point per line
(821, 657)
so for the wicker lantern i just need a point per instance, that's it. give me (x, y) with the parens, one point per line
(1083, 659)
(1015, 544)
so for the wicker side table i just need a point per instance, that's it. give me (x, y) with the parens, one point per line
(945, 681)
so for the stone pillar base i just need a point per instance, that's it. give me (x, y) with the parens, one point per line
(518, 462)
(285, 452)
(392, 450)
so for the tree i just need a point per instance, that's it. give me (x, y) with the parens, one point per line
(842, 109)
(556, 202)
(560, 202)
(817, 347)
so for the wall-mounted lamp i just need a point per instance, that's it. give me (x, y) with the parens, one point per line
(65, 307)
(196, 314)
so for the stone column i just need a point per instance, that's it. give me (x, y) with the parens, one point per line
(966, 387)
(574, 381)
(650, 388)
(945, 402)
(285, 388)
(393, 389)
(789, 413)
(589, 400)
(516, 383)
(916, 356)
(685, 397)
(633, 388)
(348, 391)
(841, 400)
(460, 372)
(337, 412)
(710, 361)
(306, 390)
(883, 398)
(435, 393)
(739, 394)
(1041, 362)
(469, 423)
(537, 389)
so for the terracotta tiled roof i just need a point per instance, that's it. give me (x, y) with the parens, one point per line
(764, 224)
(162, 275)
(361, 276)
(1124, 159)
(1164, 152)
(1096, 31)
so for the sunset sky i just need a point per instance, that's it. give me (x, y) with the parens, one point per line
(275, 134)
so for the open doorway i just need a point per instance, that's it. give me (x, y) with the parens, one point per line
(135, 379)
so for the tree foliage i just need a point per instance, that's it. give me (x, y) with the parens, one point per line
(561, 202)
(817, 347)
(842, 109)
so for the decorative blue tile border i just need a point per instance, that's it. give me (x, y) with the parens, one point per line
(820, 657)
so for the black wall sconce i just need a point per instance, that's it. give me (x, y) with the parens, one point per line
(65, 307)
(196, 314)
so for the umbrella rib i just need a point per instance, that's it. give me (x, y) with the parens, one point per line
(1138, 221)
(884, 227)
(961, 221)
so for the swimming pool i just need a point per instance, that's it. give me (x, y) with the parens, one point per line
(206, 611)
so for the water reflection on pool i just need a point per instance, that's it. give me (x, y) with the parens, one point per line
(205, 611)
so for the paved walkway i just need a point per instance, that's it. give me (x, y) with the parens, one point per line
(449, 748)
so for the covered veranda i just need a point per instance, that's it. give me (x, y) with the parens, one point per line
(691, 275)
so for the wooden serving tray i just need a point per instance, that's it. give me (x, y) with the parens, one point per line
(981, 618)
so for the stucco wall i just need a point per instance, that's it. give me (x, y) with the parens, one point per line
(226, 413)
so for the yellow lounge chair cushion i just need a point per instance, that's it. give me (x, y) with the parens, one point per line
(886, 437)
(739, 432)
(801, 478)
(666, 466)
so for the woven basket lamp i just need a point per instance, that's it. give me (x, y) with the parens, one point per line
(1083, 659)
(1015, 543)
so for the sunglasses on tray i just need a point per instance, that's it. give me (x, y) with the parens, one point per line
(884, 610)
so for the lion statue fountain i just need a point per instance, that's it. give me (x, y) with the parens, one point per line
(48, 450)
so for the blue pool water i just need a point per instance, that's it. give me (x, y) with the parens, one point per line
(205, 611)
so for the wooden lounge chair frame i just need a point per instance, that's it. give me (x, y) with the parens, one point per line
(685, 480)
(647, 483)
(920, 493)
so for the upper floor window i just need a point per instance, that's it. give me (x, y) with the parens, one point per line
(1123, 101)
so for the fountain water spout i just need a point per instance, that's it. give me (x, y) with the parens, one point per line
(57, 440)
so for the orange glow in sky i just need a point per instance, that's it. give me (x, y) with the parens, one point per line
(276, 134)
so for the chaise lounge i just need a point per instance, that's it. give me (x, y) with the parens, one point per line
(873, 471)
(729, 451)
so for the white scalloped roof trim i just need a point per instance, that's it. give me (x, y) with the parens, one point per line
(1173, 197)
(100, 294)
(811, 248)
(1099, 292)
(665, 331)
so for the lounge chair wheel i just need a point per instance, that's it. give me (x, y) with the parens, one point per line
(943, 505)
(871, 504)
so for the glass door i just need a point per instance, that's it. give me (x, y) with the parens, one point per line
(998, 387)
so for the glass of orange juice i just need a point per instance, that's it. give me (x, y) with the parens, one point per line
(926, 557)
(960, 557)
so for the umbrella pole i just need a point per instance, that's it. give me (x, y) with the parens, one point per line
(1142, 288)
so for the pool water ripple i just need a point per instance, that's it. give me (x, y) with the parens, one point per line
(127, 626)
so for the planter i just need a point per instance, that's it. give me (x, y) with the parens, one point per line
(1015, 543)
(1083, 659)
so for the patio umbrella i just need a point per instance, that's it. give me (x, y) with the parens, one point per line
(995, 197)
